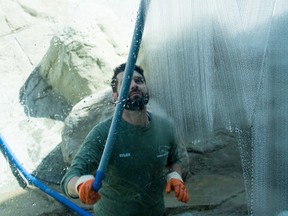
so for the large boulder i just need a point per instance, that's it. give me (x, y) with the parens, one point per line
(83, 117)
(71, 70)
(79, 61)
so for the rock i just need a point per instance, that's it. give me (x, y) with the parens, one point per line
(220, 155)
(83, 117)
(75, 67)
(52, 168)
(40, 100)
(68, 72)
(79, 61)
(32, 201)
(211, 195)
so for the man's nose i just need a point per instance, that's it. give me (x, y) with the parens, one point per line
(134, 85)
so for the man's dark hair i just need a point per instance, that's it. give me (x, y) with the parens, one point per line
(119, 69)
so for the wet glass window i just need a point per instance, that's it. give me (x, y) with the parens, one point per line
(215, 69)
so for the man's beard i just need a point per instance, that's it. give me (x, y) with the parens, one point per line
(137, 102)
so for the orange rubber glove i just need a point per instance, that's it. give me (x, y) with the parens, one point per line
(176, 184)
(86, 193)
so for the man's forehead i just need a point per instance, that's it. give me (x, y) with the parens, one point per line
(137, 74)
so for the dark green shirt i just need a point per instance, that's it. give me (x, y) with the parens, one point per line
(136, 175)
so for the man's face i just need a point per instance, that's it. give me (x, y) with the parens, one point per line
(138, 95)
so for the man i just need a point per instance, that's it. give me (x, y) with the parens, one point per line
(145, 148)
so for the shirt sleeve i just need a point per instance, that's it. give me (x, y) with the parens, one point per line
(87, 158)
(173, 156)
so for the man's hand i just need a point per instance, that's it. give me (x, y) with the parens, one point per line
(86, 193)
(176, 184)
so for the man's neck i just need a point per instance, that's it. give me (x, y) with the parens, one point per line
(136, 117)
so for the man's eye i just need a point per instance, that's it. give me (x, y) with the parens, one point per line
(139, 80)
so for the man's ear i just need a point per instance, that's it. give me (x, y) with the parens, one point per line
(114, 96)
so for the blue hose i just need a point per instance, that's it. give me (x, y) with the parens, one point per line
(8, 154)
(127, 77)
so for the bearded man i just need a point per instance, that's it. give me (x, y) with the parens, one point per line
(145, 158)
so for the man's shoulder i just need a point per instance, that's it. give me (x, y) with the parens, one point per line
(103, 125)
(105, 121)
(161, 120)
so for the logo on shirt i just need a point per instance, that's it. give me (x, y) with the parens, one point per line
(124, 155)
(163, 151)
